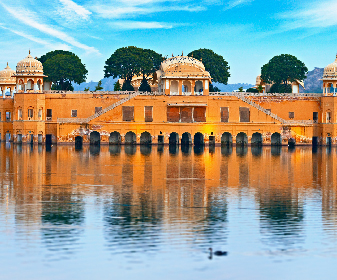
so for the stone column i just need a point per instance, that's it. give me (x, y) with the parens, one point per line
(192, 87)
(180, 84)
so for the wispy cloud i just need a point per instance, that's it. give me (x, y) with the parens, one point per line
(29, 19)
(235, 3)
(127, 24)
(314, 15)
(73, 7)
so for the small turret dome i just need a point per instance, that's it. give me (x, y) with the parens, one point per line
(6, 76)
(29, 66)
(331, 70)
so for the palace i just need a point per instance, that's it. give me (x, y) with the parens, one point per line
(182, 111)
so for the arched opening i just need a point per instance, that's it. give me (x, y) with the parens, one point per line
(241, 139)
(198, 139)
(30, 85)
(226, 139)
(211, 140)
(276, 139)
(256, 139)
(174, 88)
(291, 142)
(39, 138)
(328, 141)
(145, 138)
(186, 88)
(78, 141)
(95, 138)
(198, 89)
(130, 138)
(115, 138)
(160, 139)
(39, 85)
(315, 141)
(186, 139)
(31, 139)
(19, 139)
(174, 138)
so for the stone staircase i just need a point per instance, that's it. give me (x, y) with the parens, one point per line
(257, 106)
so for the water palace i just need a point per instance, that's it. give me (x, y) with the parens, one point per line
(181, 111)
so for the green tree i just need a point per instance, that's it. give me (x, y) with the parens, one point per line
(260, 88)
(86, 89)
(99, 86)
(63, 68)
(282, 69)
(127, 86)
(117, 86)
(214, 64)
(240, 89)
(213, 88)
(254, 90)
(144, 86)
(281, 88)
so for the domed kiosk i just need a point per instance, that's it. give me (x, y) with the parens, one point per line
(183, 75)
(330, 78)
(29, 75)
(7, 82)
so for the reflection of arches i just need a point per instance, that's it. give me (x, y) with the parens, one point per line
(198, 139)
(114, 138)
(276, 139)
(241, 139)
(256, 139)
(78, 141)
(19, 139)
(145, 138)
(174, 88)
(174, 138)
(95, 138)
(130, 138)
(186, 139)
(226, 139)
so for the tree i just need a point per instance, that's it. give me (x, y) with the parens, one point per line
(86, 89)
(213, 88)
(117, 86)
(144, 86)
(127, 86)
(283, 69)
(99, 86)
(240, 89)
(214, 64)
(254, 90)
(63, 68)
(280, 88)
(260, 88)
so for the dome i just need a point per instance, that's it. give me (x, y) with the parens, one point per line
(6, 76)
(29, 66)
(331, 70)
(181, 60)
(258, 80)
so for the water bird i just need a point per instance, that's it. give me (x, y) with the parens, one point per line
(217, 253)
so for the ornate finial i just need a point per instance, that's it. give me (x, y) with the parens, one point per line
(182, 53)
(29, 51)
(7, 63)
(172, 54)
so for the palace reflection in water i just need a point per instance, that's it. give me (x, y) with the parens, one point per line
(142, 197)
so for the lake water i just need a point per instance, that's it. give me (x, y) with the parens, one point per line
(152, 213)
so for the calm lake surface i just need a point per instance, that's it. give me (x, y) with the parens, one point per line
(152, 213)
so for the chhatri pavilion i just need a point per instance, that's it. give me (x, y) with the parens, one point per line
(181, 111)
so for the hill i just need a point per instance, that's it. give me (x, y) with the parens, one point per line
(312, 83)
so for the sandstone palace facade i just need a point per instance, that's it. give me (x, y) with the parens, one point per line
(182, 111)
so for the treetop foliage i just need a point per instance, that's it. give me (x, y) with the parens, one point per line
(283, 68)
(215, 64)
(62, 68)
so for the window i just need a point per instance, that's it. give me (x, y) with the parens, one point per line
(315, 117)
(19, 114)
(244, 114)
(74, 113)
(199, 114)
(224, 114)
(128, 113)
(291, 115)
(148, 113)
(328, 117)
(30, 113)
(40, 114)
(173, 114)
(49, 114)
(8, 116)
(98, 109)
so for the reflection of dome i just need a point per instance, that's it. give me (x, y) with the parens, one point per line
(331, 70)
(181, 60)
(29, 66)
(6, 76)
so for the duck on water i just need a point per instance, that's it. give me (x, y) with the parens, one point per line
(216, 253)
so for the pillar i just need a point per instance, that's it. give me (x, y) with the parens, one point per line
(192, 87)
(4, 92)
(180, 84)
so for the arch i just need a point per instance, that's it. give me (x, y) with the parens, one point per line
(174, 88)
(78, 141)
(40, 138)
(174, 138)
(30, 84)
(95, 138)
(160, 139)
(241, 139)
(186, 88)
(198, 89)
(19, 138)
(256, 139)
(291, 142)
(115, 138)
(226, 139)
(186, 139)
(39, 84)
(130, 138)
(276, 139)
(198, 139)
(145, 138)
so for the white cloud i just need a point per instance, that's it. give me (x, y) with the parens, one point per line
(126, 24)
(234, 3)
(71, 6)
(315, 15)
(29, 19)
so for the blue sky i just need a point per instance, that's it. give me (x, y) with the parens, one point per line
(247, 33)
